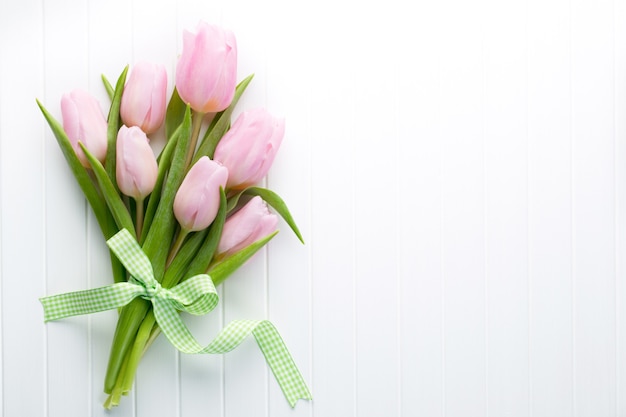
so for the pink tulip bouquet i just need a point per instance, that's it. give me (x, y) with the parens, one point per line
(197, 208)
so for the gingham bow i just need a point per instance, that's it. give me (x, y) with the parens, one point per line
(195, 295)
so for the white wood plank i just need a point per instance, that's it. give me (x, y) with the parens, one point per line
(24, 358)
(333, 273)
(156, 385)
(103, 41)
(65, 214)
(506, 208)
(375, 213)
(155, 35)
(202, 376)
(420, 213)
(593, 222)
(620, 196)
(190, 12)
(550, 239)
(462, 127)
(4, 11)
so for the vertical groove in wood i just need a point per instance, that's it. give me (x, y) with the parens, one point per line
(353, 252)
(354, 263)
(485, 206)
(572, 150)
(46, 355)
(398, 221)
(442, 237)
(3, 58)
(614, 384)
(620, 191)
(527, 213)
(309, 276)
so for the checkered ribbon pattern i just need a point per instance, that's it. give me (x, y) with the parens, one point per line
(196, 295)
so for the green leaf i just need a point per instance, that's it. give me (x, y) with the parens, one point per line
(114, 126)
(175, 114)
(233, 200)
(165, 160)
(90, 191)
(96, 201)
(225, 267)
(190, 249)
(278, 204)
(114, 201)
(158, 240)
(220, 124)
(117, 268)
(108, 87)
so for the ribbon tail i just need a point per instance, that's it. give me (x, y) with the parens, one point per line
(173, 327)
(267, 337)
(89, 301)
(282, 364)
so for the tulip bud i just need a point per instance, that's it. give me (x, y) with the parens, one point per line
(136, 167)
(249, 147)
(83, 121)
(143, 101)
(198, 198)
(206, 74)
(251, 223)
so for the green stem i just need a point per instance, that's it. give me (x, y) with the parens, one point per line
(156, 246)
(116, 394)
(137, 351)
(156, 331)
(177, 245)
(195, 133)
(127, 326)
(139, 215)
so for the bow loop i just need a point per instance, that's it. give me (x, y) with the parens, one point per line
(127, 250)
(196, 296)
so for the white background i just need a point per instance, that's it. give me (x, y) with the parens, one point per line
(457, 168)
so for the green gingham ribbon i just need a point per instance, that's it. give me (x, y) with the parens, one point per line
(195, 295)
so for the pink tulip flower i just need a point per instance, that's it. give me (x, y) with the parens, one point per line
(84, 122)
(198, 198)
(143, 102)
(206, 74)
(249, 224)
(136, 167)
(249, 147)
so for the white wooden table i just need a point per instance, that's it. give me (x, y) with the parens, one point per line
(458, 170)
